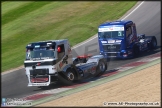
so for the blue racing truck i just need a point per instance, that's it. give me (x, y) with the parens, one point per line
(119, 39)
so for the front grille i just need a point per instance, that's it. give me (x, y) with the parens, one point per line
(39, 72)
(112, 54)
(111, 48)
(39, 79)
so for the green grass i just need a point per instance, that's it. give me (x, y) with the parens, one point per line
(28, 21)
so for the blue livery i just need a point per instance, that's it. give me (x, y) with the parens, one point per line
(119, 39)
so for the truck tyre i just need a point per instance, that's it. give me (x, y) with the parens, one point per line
(69, 78)
(101, 68)
(136, 51)
(153, 43)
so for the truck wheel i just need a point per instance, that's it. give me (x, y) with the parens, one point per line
(101, 68)
(136, 51)
(70, 76)
(153, 43)
(67, 79)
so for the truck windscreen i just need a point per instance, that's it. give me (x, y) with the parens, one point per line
(111, 34)
(111, 31)
(40, 54)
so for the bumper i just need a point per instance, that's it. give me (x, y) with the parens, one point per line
(39, 81)
(121, 55)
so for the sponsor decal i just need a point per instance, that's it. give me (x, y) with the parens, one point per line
(111, 28)
(111, 47)
(103, 41)
(111, 41)
(63, 61)
(38, 64)
(93, 70)
(61, 64)
(118, 41)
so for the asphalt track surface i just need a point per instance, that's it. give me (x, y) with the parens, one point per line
(148, 21)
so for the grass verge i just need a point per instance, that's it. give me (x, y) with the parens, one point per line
(29, 21)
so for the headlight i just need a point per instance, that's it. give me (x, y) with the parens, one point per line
(125, 54)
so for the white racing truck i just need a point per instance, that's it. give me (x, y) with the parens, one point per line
(50, 61)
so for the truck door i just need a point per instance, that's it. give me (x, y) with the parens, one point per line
(131, 34)
(134, 30)
(69, 53)
(128, 35)
(134, 33)
(61, 56)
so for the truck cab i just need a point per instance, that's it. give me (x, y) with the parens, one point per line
(119, 39)
(44, 60)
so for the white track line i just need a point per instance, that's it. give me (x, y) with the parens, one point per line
(88, 39)
(133, 10)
